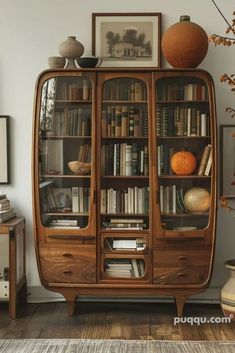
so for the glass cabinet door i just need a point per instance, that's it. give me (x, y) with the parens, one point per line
(124, 161)
(65, 152)
(184, 152)
(124, 179)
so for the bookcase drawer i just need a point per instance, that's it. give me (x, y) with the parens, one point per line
(180, 275)
(66, 265)
(68, 254)
(79, 272)
(187, 257)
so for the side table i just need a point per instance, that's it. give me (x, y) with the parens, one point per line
(12, 263)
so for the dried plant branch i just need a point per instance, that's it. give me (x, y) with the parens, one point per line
(224, 203)
(227, 42)
(231, 111)
(231, 27)
(217, 40)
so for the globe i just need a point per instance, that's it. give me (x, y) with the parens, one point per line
(197, 199)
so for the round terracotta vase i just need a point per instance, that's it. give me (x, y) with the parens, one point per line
(228, 292)
(185, 44)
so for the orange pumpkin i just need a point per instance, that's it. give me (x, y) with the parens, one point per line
(183, 163)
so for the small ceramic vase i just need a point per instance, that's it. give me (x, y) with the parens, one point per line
(71, 49)
(228, 292)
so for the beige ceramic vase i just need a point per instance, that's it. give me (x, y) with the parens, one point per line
(71, 49)
(228, 292)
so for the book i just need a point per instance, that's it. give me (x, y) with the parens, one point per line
(85, 89)
(204, 159)
(124, 122)
(203, 125)
(135, 268)
(75, 204)
(209, 164)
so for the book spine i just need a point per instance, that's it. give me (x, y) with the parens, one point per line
(209, 163)
(75, 199)
(203, 125)
(204, 160)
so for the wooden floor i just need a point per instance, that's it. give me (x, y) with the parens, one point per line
(116, 320)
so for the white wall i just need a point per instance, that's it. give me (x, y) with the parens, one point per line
(31, 30)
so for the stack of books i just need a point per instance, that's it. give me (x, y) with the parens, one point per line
(64, 223)
(6, 211)
(125, 244)
(128, 268)
(125, 224)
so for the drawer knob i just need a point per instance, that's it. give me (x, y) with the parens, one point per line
(67, 255)
(67, 272)
(182, 257)
(181, 274)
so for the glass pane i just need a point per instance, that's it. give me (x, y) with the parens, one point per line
(184, 152)
(65, 152)
(124, 155)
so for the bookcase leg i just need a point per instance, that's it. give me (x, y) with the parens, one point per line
(71, 306)
(180, 301)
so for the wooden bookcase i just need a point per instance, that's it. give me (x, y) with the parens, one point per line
(124, 226)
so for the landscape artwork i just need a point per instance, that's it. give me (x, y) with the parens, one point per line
(126, 40)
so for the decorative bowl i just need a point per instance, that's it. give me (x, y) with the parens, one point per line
(79, 167)
(89, 61)
(56, 62)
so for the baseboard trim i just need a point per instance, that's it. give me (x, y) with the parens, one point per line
(38, 294)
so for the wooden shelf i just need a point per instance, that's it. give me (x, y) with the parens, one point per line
(185, 177)
(51, 137)
(120, 138)
(125, 177)
(66, 176)
(69, 101)
(189, 214)
(183, 137)
(124, 102)
(182, 102)
(66, 214)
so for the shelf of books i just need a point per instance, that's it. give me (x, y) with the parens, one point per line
(65, 149)
(184, 152)
(123, 267)
(123, 243)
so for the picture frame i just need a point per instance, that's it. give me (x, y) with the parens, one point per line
(4, 149)
(227, 161)
(127, 39)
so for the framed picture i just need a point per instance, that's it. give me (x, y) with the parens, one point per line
(127, 39)
(62, 198)
(227, 161)
(4, 150)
